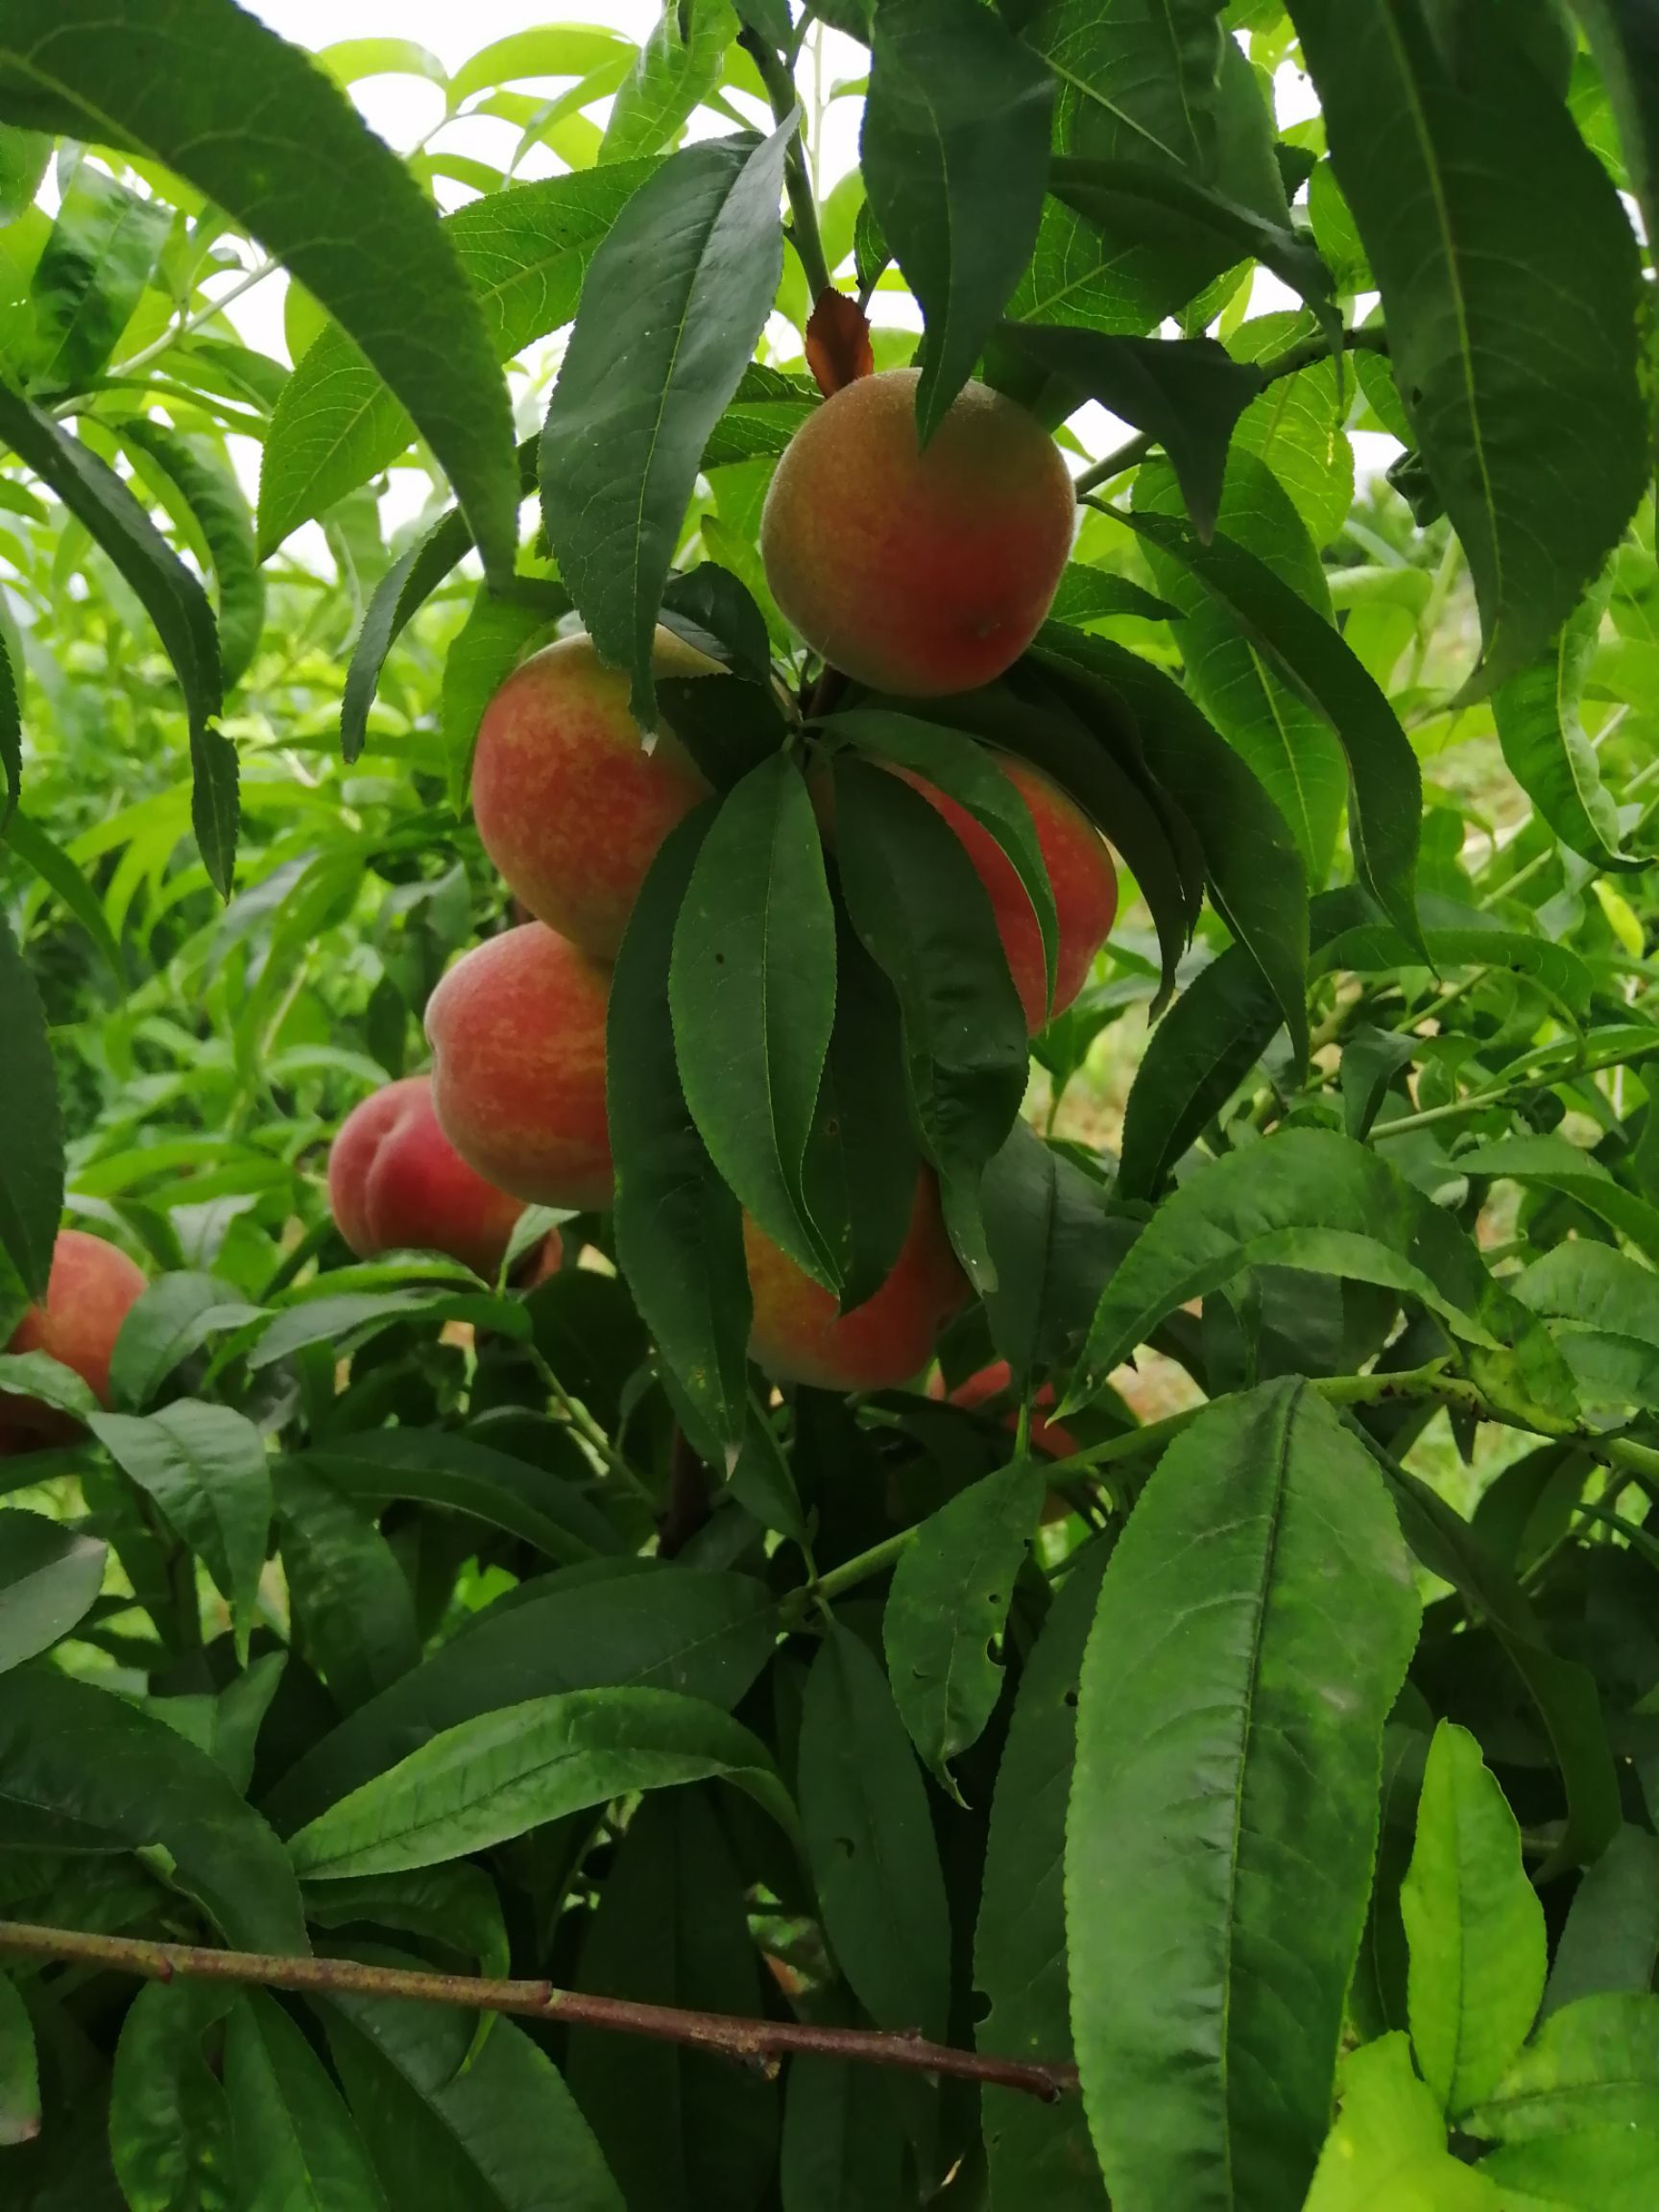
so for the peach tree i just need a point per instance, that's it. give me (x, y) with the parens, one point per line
(829, 1215)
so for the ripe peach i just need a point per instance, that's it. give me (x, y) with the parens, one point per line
(1080, 874)
(918, 573)
(1048, 1438)
(797, 1335)
(570, 805)
(395, 1181)
(91, 1290)
(518, 1036)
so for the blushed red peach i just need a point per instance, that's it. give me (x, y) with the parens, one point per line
(570, 805)
(1080, 874)
(919, 572)
(517, 1034)
(90, 1291)
(395, 1181)
(799, 1336)
(1048, 1437)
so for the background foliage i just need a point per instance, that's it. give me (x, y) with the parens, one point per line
(380, 1613)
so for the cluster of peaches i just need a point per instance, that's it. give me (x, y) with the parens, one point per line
(915, 573)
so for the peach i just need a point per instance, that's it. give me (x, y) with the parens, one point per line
(1080, 874)
(799, 1336)
(517, 1034)
(918, 572)
(91, 1290)
(1048, 1438)
(570, 805)
(395, 1181)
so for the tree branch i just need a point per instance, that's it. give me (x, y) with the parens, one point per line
(758, 2041)
(1301, 355)
(803, 234)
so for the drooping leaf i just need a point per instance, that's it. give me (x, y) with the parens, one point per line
(1019, 1957)
(49, 1578)
(31, 1156)
(205, 1468)
(954, 149)
(1219, 1849)
(1305, 1198)
(500, 2134)
(751, 991)
(1053, 1250)
(47, 1381)
(510, 1770)
(949, 1602)
(1509, 277)
(197, 85)
(295, 2145)
(352, 1610)
(1475, 1926)
(90, 276)
(86, 1771)
(215, 500)
(53, 865)
(870, 1841)
(11, 737)
(174, 1317)
(679, 65)
(1545, 745)
(672, 1929)
(170, 2133)
(1610, 1941)
(674, 302)
(525, 253)
(704, 1635)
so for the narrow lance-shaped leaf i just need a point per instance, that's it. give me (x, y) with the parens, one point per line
(1545, 747)
(20, 2072)
(90, 277)
(171, 596)
(678, 66)
(297, 2147)
(674, 302)
(49, 1578)
(31, 1156)
(10, 733)
(1219, 1848)
(1509, 279)
(752, 987)
(954, 150)
(251, 123)
(1385, 781)
(215, 498)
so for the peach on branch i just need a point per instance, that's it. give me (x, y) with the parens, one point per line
(395, 1181)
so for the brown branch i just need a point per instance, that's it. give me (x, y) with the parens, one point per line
(758, 2041)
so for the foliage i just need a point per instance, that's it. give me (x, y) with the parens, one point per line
(1252, 1699)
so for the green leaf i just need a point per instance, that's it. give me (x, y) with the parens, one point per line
(23, 158)
(525, 252)
(675, 300)
(1606, 1309)
(769, 407)
(502, 2134)
(752, 991)
(169, 2122)
(870, 1841)
(348, 61)
(507, 1771)
(1385, 784)
(455, 1905)
(949, 1603)
(87, 1771)
(170, 596)
(32, 1157)
(634, 1622)
(49, 1578)
(205, 1468)
(37, 1376)
(924, 916)
(972, 778)
(11, 738)
(1592, 2169)
(543, 1508)
(251, 122)
(843, 2134)
(1621, 39)
(59, 874)
(554, 50)
(1138, 76)
(1224, 1819)
(1595, 2063)
(1019, 1957)
(20, 2072)
(1387, 2151)
(172, 1317)
(672, 1929)
(349, 1318)
(352, 1610)
(1304, 1198)
(1254, 867)
(954, 148)
(1545, 745)
(1186, 393)
(1296, 427)
(296, 2144)
(404, 588)
(1611, 1937)
(1475, 1926)
(679, 1230)
(90, 277)
(679, 65)
(1200, 1053)
(1088, 595)
(214, 498)
(1509, 282)
(1553, 1164)
(1289, 744)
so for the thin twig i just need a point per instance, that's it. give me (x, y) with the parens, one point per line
(803, 233)
(765, 2041)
